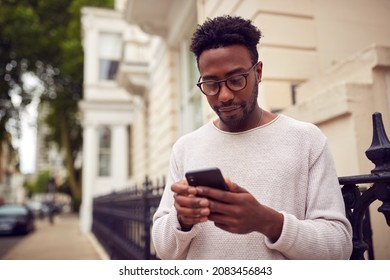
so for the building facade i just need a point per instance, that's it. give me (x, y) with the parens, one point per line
(326, 62)
(107, 109)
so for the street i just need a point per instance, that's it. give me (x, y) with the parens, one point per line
(7, 242)
(61, 240)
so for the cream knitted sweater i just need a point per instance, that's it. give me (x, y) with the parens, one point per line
(286, 165)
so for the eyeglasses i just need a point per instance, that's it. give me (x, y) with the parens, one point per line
(234, 83)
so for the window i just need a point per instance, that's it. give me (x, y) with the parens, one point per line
(110, 50)
(104, 152)
(195, 96)
(130, 151)
(191, 101)
(108, 69)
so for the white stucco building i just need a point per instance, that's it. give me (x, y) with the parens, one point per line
(108, 110)
(326, 62)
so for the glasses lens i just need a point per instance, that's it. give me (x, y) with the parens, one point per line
(236, 83)
(209, 88)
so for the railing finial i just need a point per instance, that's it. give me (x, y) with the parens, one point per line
(379, 151)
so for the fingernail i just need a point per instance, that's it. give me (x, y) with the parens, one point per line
(203, 202)
(192, 191)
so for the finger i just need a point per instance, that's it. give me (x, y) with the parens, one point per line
(215, 194)
(225, 209)
(191, 212)
(191, 201)
(183, 188)
(189, 220)
(225, 222)
(189, 216)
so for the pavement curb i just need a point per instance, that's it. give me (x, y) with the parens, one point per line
(96, 245)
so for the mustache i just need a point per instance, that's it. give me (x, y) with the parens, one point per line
(227, 104)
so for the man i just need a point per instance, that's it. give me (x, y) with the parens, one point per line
(284, 200)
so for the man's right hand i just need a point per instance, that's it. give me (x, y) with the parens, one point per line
(190, 208)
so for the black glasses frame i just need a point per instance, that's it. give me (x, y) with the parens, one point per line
(244, 75)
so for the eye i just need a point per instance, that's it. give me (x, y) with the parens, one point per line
(236, 80)
(210, 85)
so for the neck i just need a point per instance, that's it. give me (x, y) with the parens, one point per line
(260, 118)
(256, 119)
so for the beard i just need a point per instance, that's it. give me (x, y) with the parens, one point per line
(248, 109)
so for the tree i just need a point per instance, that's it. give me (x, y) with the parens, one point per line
(43, 37)
(40, 184)
(12, 66)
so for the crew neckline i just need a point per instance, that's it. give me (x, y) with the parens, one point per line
(246, 131)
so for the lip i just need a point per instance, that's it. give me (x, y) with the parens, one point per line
(229, 108)
(229, 111)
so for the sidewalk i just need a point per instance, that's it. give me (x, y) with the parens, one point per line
(60, 241)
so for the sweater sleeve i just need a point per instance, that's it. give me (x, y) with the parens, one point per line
(325, 226)
(168, 239)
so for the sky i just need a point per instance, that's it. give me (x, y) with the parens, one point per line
(27, 143)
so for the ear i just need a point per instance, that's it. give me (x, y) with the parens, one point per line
(259, 71)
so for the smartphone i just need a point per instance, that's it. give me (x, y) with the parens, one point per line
(210, 177)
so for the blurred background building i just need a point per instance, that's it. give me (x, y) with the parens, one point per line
(325, 62)
(10, 178)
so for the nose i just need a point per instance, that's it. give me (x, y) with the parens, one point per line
(225, 94)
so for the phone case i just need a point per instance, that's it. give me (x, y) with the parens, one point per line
(210, 177)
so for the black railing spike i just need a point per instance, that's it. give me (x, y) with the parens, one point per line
(379, 151)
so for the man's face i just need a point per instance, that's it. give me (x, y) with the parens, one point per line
(236, 109)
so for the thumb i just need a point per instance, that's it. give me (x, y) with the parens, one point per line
(233, 187)
(183, 181)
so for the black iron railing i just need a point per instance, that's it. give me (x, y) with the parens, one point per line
(357, 201)
(122, 220)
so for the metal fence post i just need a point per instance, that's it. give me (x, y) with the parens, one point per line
(147, 223)
(379, 154)
(357, 202)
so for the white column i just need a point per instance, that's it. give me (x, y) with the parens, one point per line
(89, 175)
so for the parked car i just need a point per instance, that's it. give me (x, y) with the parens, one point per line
(16, 219)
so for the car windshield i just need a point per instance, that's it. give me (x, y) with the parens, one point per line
(12, 210)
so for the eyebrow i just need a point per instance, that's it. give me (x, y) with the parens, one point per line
(227, 75)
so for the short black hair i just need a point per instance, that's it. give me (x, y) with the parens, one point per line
(225, 31)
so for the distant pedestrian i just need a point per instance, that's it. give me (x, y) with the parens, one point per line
(51, 213)
(51, 204)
